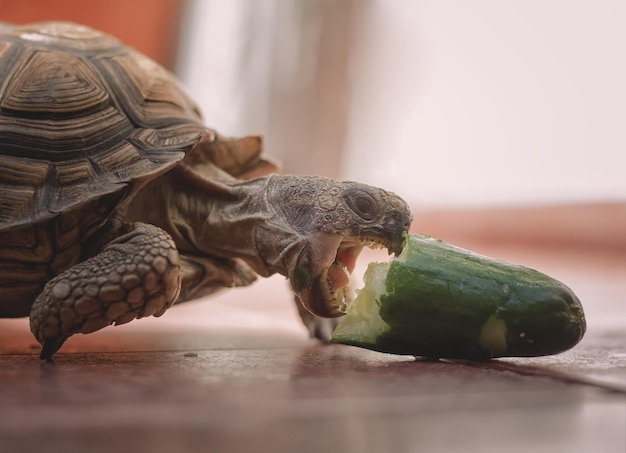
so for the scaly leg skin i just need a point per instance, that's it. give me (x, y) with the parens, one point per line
(135, 275)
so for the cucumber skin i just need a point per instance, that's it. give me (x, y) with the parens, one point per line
(439, 298)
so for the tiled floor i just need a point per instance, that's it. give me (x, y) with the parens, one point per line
(237, 373)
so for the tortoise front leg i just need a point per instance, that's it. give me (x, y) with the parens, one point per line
(135, 275)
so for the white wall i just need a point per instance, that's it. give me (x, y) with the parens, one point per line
(225, 61)
(488, 101)
(453, 102)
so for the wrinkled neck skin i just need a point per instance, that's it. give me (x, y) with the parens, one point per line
(239, 221)
(307, 228)
(217, 215)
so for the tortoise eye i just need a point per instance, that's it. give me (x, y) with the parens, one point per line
(362, 204)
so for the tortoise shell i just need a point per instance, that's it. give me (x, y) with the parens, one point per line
(84, 122)
(81, 116)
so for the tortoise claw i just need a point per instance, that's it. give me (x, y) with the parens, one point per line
(50, 346)
(135, 275)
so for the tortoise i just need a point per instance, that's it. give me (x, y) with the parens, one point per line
(117, 201)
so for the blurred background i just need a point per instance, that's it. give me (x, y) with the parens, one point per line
(493, 119)
(510, 115)
(450, 103)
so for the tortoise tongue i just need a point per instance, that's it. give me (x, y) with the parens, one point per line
(339, 275)
(345, 262)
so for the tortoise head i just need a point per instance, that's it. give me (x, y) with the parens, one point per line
(310, 229)
(329, 223)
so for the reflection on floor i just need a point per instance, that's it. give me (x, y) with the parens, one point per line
(237, 373)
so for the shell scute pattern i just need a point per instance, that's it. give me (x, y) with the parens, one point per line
(152, 102)
(84, 122)
(81, 116)
(43, 85)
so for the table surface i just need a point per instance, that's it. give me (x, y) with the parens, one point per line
(237, 373)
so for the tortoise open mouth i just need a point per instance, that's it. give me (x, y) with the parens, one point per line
(329, 295)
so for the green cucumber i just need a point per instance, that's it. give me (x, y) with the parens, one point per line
(441, 301)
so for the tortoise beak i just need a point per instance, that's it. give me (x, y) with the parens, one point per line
(323, 298)
(328, 294)
(321, 275)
